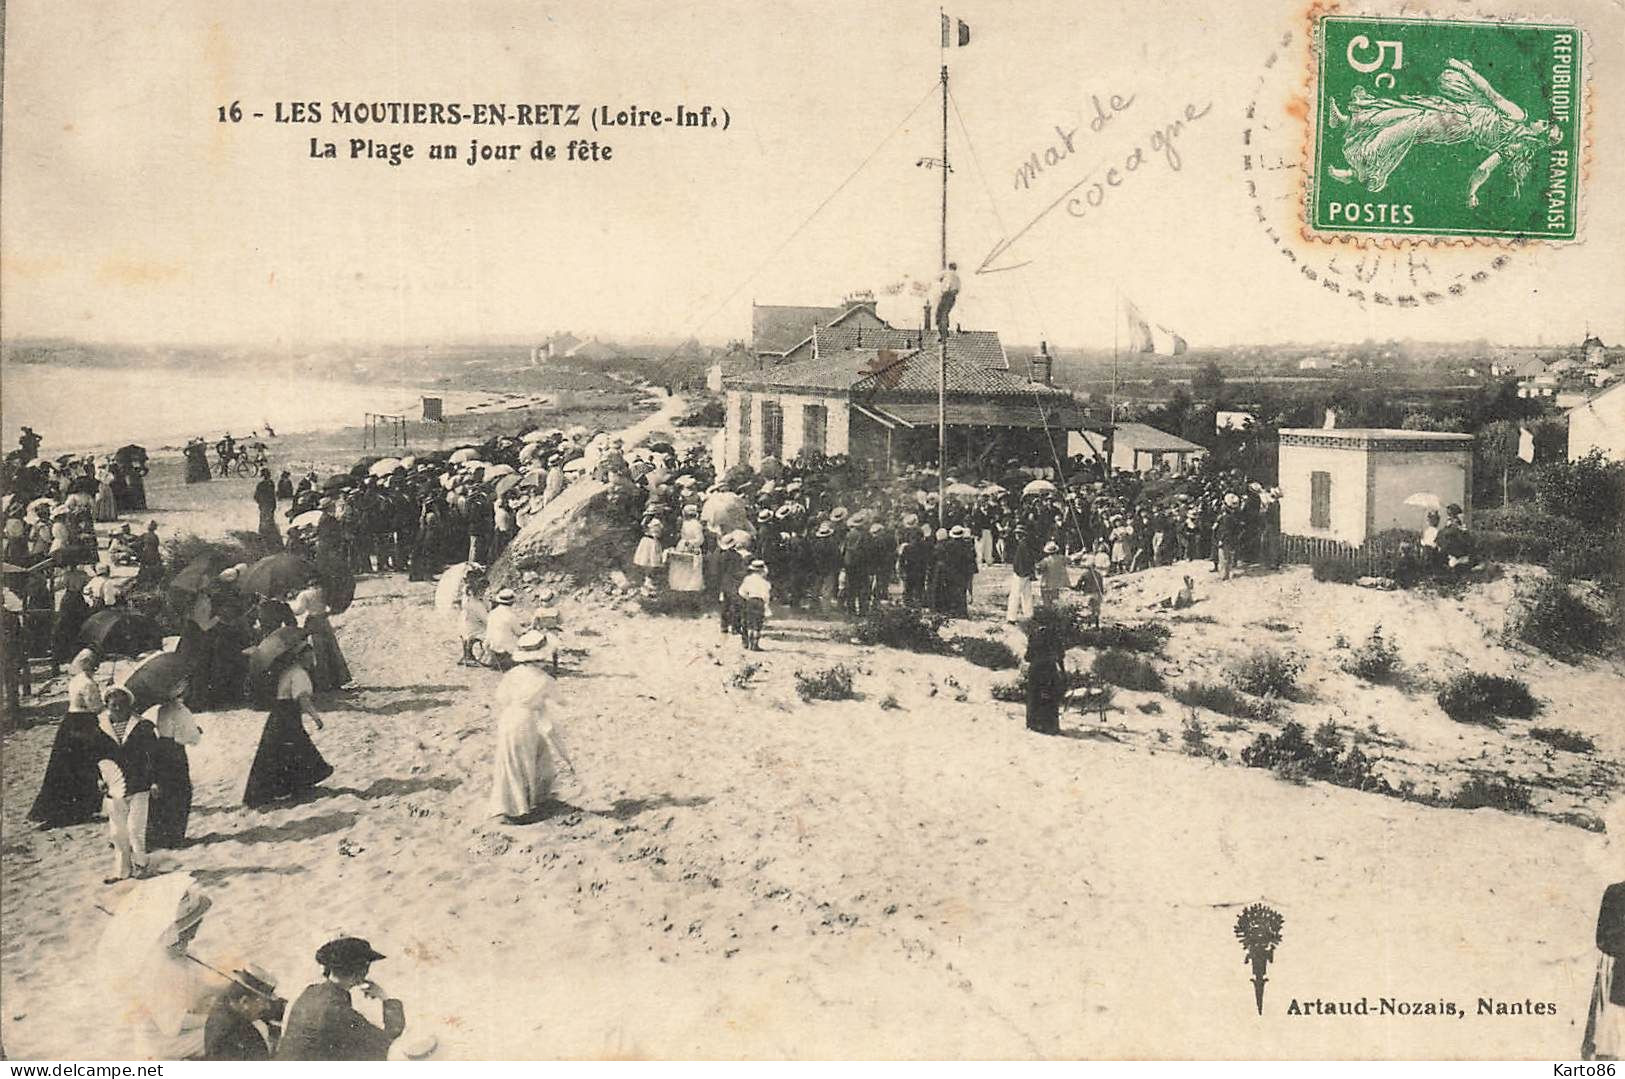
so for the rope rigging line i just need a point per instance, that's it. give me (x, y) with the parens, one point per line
(692, 327)
(1032, 303)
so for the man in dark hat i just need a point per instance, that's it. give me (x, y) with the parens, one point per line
(322, 1024)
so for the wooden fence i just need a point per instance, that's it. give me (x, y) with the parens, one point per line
(1379, 556)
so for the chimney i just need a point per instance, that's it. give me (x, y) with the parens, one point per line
(1043, 365)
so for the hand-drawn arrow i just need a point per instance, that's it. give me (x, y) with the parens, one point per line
(1004, 245)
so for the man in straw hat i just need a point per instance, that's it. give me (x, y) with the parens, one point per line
(323, 1024)
(502, 630)
(229, 1033)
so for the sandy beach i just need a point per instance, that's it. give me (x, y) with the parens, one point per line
(738, 873)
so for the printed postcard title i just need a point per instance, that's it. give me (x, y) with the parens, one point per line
(564, 132)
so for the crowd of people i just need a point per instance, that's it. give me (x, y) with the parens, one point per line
(826, 534)
(823, 534)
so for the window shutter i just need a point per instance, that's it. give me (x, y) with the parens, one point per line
(1320, 500)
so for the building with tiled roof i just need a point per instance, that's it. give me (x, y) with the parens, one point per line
(879, 403)
(779, 329)
(980, 347)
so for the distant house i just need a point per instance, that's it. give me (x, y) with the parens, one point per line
(1593, 351)
(1528, 367)
(880, 404)
(1602, 377)
(1351, 484)
(1314, 363)
(1599, 424)
(1540, 386)
(778, 329)
(1138, 447)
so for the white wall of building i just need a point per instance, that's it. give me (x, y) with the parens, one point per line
(1347, 468)
(1599, 424)
(792, 405)
(1397, 475)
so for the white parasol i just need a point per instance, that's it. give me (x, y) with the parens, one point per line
(1426, 500)
(577, 465)
(533, 436)
(467, 453)
(493, 472)
(384, 467)
(1038, 487)
(308, 519)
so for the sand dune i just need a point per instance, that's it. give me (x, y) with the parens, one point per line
(742, 874)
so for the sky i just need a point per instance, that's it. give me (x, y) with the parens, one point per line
(129, 213)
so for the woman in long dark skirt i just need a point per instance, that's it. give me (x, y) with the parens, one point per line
(170, 806)
(287, 761)
(1046, 677)
(328, 669)
(69, 793)
(70, 614)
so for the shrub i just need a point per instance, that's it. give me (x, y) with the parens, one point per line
(1266, 673)
(1194, 735)
(1558, 623)
(1143, 637)
(832, 684)
(1226, 701)
(1293, 757)
(984, 652)
(1013, 691)
(1558, 738)
(1493, 792)
(1471, 697)
(1590, 490)
(713, 413)
(1126, 669)
(908, 628)
(1334, 570)
(1376, 659)
(1585, 556)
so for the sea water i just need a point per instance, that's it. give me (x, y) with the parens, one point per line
(85, 408)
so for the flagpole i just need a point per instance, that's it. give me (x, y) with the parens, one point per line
(942, 334)
(1111, 421)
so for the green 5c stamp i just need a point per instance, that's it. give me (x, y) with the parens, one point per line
(1434, 127)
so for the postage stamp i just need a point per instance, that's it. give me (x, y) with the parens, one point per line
(1435, 127)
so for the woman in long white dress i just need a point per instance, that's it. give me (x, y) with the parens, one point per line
(528, 751)
(156, 992)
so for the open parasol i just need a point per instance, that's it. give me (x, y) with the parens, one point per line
(496, 471)
(1038, 487)
(384, 467)
(121, 633)
(533, 436)
(308, 519)
(577, 465)
(275, 575)
(507, 483)
(273, 648)
(198, 574)
(1426, 500)
(155, 679)
(467, 453)
(962, 490)
(333, 483)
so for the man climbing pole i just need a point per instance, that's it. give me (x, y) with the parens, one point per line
(947, 293)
